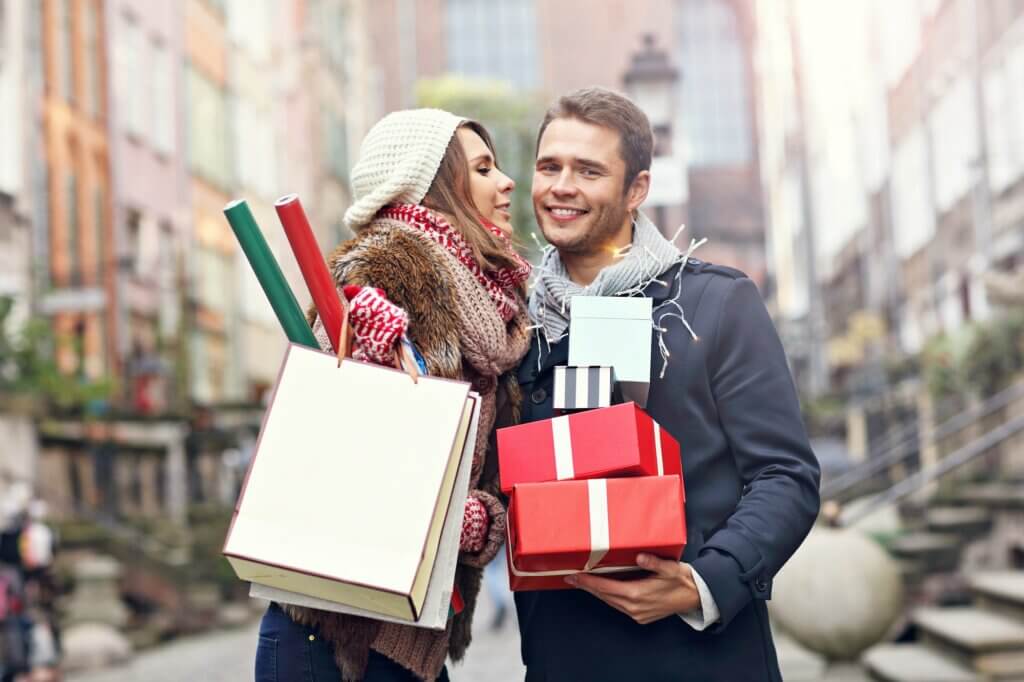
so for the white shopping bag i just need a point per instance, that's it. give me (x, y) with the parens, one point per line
(439, 592)
(350, 483)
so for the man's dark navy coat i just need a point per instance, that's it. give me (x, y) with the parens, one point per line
(751, 494)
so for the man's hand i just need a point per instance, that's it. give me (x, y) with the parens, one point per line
(671, 590)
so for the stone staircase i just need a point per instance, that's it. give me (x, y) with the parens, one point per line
(976, 643)
(968, 623)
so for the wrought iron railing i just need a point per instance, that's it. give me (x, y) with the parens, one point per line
(907, 444)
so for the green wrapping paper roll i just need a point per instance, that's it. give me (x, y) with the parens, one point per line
(269, 274)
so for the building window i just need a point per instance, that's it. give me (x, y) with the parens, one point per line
(163, 100)
(74, 244)
(254, 147)
(65, 51)
(3, 32)
(954, 130)
(217, 6)
(99, 227)
(133, 240)
(715, 95)
(217, 282)
(97, 362)
(250, 23)
(477, 48)
(134, 82)
(207, 129)
(912, 215)
(92, 61)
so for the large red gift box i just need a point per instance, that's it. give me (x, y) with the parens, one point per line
(600, 525)
(621, 440)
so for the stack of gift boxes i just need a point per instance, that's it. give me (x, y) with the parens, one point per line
(591, 488)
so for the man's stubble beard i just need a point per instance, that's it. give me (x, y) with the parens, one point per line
(598, 236)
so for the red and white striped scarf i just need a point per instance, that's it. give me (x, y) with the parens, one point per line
(501, 284)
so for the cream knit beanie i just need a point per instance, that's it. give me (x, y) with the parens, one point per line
(398, 161)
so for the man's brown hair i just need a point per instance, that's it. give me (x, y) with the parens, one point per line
(451, 195)
(608, 109)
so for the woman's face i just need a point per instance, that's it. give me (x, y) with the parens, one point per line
(489, 187)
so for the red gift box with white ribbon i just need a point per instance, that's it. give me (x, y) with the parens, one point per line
(600, 525)
(621, 440)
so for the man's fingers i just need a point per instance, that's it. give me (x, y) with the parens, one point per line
(663, 567)
(593, 583)
(637, 610)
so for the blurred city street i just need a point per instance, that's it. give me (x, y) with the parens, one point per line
(215, 657)
(228, 657)
(494, 657)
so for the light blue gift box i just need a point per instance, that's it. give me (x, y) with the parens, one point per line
(613, 331)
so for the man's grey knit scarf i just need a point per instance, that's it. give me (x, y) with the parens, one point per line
(650, 255)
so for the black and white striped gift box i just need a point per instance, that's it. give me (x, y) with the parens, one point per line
(583, 388)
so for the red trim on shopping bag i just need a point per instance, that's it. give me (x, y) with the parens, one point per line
(457, 604)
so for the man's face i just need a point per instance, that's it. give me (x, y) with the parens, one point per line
(578, 186)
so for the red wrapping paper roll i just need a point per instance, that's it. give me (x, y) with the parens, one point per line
(311, 263)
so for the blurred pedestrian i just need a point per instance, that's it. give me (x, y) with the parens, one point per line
(14, 629)
(496, 582)
(38, 546)
(432, 257)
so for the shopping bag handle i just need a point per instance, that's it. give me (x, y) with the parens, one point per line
(403, 359)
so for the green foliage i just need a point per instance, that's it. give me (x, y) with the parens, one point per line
(995, 354)
(983, 359)
(824, 415)
(511, 117)
(941, 367)
(901, 367)
(209, 526)
(83, 534)
(27, 367)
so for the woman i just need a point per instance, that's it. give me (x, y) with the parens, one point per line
(431, 258)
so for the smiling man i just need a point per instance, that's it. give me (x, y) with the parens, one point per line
(726, 395)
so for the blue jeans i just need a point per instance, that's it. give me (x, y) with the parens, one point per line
(289, 652)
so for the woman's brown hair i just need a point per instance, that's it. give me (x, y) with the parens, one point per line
(451, 195)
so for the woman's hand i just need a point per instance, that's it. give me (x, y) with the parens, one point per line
(475, 523)
(377, 324)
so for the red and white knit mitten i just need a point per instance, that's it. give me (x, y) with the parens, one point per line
(475, 523)
(377, 324)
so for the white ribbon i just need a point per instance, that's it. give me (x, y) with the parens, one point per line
(564, 469)
(657, 448)
(597, 493)
(597, 497)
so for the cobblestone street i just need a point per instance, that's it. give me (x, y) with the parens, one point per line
(494, 657)
(219, 657)
(228, 657)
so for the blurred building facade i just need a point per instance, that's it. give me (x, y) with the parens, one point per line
(16, 138)
(212, 308)
(150, 194)
(79, 289)
(893, 176)
(128, 125)
(552, 46)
